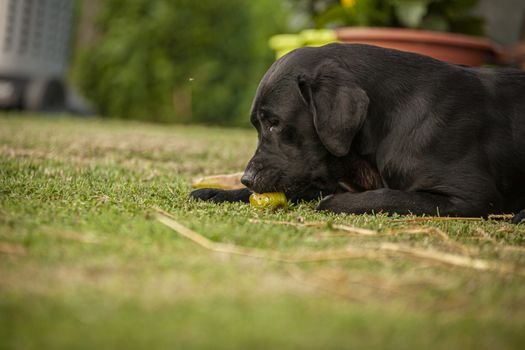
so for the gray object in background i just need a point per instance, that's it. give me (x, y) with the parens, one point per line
(34, 52)
(505, 20)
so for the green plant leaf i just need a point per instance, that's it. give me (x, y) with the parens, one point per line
(334, 16)
(410, 13)
(436, 23)
(471, 25)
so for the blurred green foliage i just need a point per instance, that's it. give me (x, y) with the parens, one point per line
(178, 60)
(441, 15)
(201, 61)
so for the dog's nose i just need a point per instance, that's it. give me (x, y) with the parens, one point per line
(247, 179)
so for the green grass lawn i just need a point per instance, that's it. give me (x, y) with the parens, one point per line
(84, 264)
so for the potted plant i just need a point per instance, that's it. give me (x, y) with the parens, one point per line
(443, 29)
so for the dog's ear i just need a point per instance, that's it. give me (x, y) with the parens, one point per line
(304, 84)
(338, 106)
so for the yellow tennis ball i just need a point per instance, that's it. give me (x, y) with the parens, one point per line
(270, 200)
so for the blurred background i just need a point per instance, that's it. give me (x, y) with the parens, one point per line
(186, 61)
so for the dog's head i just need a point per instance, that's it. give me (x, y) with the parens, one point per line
(307, 110)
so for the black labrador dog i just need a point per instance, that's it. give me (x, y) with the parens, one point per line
(371, 129)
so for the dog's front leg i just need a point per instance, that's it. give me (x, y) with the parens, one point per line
(519, 218)
(217, 195)
(394, 201)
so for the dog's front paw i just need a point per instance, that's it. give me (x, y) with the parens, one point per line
(519, 218)
(326, 203)
(341, 203)
(209, 194)
(218, 196)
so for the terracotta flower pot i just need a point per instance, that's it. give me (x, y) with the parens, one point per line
(450, 47)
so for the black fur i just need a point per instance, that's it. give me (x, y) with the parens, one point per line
(399, 132)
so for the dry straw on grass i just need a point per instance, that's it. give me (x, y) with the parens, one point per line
(347, 230)
(337, 227)
(379, 251)
(455, 218)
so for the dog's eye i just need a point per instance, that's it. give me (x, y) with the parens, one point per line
(273, 126)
